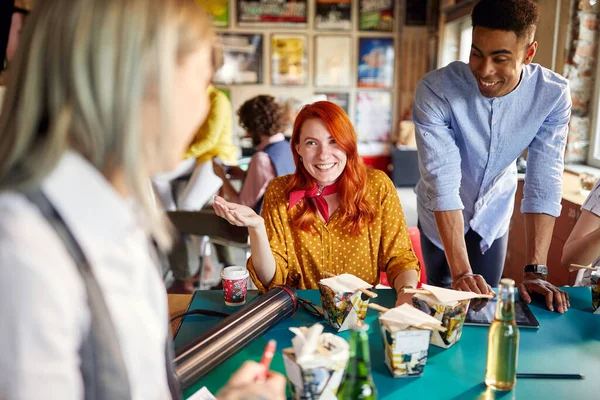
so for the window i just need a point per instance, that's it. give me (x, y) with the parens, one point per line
(456, 41)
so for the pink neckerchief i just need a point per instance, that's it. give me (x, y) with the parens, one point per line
(316, 193)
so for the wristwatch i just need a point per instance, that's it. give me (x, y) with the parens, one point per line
(537, 269)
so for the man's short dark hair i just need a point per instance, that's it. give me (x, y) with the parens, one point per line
(518, 16)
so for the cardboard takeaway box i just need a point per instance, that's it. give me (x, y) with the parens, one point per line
(344, 305)
(406, 333)
(448, 306)
(316, 363)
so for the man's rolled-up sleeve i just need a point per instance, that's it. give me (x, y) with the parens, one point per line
(439, 156)
(542, 192)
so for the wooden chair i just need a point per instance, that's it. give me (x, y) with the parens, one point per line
(206, 222)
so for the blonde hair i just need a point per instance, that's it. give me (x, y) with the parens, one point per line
(79, 80)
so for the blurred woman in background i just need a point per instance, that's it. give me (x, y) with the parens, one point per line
(263, 118)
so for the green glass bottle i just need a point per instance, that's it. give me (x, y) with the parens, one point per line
(358, 382)
(503, 341)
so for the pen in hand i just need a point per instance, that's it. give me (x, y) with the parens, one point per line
(266, 359)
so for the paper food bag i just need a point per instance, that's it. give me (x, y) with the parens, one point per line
(315, 365)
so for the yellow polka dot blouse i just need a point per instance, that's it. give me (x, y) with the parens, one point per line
(301, 257)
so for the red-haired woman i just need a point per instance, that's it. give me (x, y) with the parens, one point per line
(332, 215)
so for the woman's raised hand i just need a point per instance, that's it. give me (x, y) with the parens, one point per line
(236, 214)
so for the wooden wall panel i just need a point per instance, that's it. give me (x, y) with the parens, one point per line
(414, 59)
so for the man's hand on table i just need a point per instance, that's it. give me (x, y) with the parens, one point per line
(534, 283)
(473, 283)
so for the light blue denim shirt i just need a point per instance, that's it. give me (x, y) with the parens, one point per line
(468, 145)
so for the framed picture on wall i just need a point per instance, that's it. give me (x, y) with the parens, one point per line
(375, 63)
(333, 55)
(288, 60)
(373, 116)
(282, 13)
(333, 15)
(242, 59)
(293, 103)
(376, 15)
(217, 10)
(341, 99)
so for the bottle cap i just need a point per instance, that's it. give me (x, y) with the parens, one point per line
(360, 326)
(507, 281)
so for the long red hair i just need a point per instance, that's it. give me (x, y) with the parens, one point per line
(356, 212)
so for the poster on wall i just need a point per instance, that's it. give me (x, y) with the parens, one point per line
(282, 13)
(332, 68)
(333, 15)
(373, 116)
(293, 103)
(376, 63)
(217, 10)
(376, 15)
(242, 59)
(288, 60)
(341, 99)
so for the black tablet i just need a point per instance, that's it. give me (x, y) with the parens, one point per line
(485, 316)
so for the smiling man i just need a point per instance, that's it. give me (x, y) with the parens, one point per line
(472, 122)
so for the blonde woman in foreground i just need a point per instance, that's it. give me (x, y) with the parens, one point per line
(101, 95)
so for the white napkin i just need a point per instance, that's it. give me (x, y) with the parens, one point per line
(345, 283)
(306, 341)
(447, 296)
(401, 317)
(311, 345)
(202, 394)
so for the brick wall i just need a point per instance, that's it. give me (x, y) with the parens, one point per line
(580, 68)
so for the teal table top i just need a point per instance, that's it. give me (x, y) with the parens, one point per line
(568, 343)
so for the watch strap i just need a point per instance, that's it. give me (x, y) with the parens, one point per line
(536, 269)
